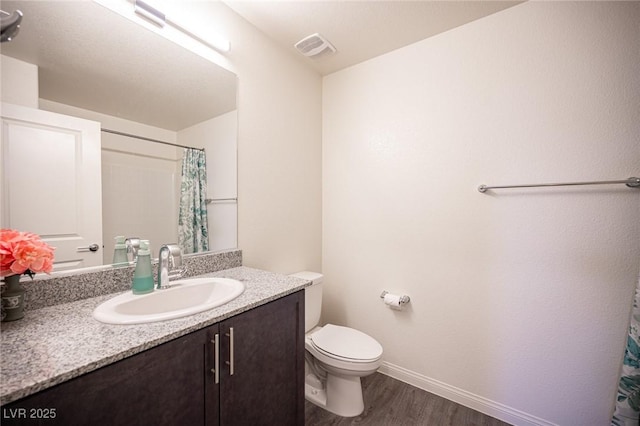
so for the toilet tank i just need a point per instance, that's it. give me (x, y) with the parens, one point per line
(312, 298)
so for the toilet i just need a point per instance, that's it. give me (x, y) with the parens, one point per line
(336, 357)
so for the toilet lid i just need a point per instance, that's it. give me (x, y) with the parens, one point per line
(345, 342)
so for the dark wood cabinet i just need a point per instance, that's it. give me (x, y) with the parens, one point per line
(260, 379)
(267, 385)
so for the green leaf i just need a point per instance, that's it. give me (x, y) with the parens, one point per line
(632, 353)
(629, 390)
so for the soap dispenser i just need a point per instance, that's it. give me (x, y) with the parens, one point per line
(120, 257)
(148, 243)
(143, 275)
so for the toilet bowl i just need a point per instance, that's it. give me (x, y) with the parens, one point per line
(339, 357)
(336, 357)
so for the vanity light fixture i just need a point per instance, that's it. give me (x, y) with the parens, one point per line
(9, 24)
(150, 13)
(160, 19)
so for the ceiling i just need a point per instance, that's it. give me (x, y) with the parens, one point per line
(359, 30)
(92, 58)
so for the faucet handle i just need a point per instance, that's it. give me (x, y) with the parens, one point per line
(169, 264)
(175, 255)
(176, 269)
(177, 272)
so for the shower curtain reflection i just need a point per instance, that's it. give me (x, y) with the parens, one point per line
(627, 411)
(193, 234)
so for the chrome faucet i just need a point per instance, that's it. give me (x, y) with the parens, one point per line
(169, 265)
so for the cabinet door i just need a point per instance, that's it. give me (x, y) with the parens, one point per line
(266, 354)
(161, 386)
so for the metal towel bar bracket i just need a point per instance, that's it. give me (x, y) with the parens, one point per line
(632, 182)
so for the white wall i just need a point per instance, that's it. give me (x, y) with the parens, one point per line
(18, 82)
(219, 138)
(139, 198)
(279, 143)
(520, 299)
(18, 85)
(121, 125)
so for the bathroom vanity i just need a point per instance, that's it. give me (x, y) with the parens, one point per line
(74, 370)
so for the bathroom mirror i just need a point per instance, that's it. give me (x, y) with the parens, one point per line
(97, 65)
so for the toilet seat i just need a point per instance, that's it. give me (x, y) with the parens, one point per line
(346, 344)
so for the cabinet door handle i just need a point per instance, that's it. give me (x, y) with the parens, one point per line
(230, 362)
(216, 358)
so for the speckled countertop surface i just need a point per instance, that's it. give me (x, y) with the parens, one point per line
(57, 343)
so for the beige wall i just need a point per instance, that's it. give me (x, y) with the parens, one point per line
(18, 82)
(279, 145)
(520, 299)
(219, 137)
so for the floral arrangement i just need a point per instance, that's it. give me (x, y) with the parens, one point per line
(24, 253)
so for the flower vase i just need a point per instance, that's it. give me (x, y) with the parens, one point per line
(12, 299)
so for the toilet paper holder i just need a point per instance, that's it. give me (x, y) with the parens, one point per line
(403, 299)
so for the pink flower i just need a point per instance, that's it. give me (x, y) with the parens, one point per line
(23, 252)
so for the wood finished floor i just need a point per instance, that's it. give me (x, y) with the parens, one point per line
(390, 402)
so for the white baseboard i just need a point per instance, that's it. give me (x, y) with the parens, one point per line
(462, 397)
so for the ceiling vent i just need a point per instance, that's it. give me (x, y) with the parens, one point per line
(314, 46)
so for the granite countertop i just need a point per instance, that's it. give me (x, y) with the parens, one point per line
(57, 343)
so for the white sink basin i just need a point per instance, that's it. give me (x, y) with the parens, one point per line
(183, 298)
